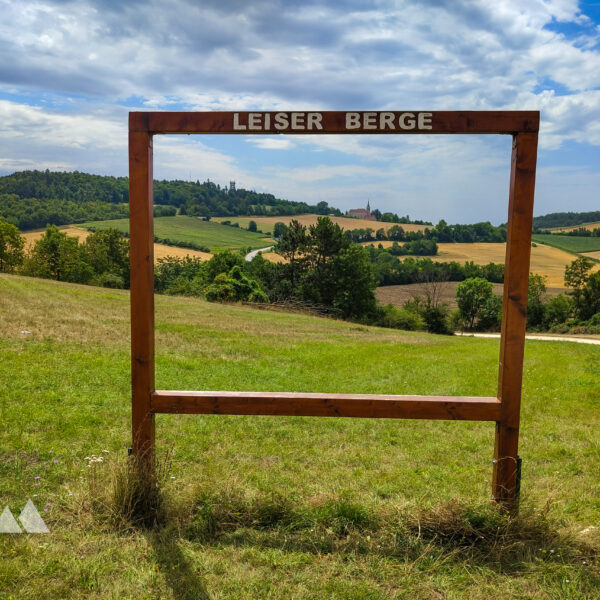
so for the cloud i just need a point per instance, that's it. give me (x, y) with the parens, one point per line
(269, 143)
(71, 69)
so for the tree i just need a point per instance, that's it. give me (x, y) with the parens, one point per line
(535, 304)
(576, 278)
(590, 300)
(322, 208)
(471, 296)
(557, 310)
(11, 247)
(291, 246)
(252, 226)
(353, 283)
(108, 252)
(58, 256)
(278, 229)
(324, 242)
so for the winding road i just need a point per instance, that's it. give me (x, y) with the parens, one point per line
(252, 254)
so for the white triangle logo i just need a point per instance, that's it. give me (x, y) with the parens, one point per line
(31, 520)
(8, 523)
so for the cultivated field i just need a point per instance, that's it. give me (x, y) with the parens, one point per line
(573, 244)
(266, 224)
(195, 231)
(592, 255)
(160, 250)
(285, 507)
(399, 294)
(545, 260)
(590, 226)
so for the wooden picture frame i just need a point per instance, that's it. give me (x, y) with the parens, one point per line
(503, 409)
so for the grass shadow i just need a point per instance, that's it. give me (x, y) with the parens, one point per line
(480, 535)
(178, 570)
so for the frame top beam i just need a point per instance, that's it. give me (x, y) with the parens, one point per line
(336, 122)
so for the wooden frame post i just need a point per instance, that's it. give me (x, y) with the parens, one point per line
(141, 252)
(514, 315)
(503, 409)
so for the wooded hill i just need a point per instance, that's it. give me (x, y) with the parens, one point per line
(565, 219)
(32, 199)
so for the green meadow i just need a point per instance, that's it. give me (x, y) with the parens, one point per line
(569, 243)
(285, 507)
(194, 231)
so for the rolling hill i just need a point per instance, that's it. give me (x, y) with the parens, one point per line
(284, 507)
(194, 232)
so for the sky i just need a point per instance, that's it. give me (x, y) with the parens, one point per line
(71, 70)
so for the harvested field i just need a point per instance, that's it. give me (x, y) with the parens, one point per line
(273, 257)
(399, 294)
(592, 255)
(160, 250)
(545, 260)
(590, 226)
(265, 224)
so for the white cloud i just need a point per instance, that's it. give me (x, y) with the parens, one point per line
(91, 59)
(268, 143)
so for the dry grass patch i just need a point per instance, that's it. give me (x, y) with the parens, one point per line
(160, 250)
(589, 226)
(545, 260)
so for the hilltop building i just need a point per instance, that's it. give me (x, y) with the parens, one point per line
(362, 213)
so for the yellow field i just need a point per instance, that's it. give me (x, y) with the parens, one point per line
(266, 223)
(160, 250)
(273, 257)
(545, 260)
(590, 226)
(594, 255)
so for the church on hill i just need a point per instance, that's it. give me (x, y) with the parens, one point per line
(362, 213)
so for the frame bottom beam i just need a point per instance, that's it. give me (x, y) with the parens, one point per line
(466, 408)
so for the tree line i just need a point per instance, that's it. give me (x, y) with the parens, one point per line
(32, 199)
(324, 271)
(102, 259)
(564, 219)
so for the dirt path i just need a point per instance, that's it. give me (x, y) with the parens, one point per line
(547, 338)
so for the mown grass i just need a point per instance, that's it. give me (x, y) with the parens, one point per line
(193, 230)
(268, 507)
(568, 243)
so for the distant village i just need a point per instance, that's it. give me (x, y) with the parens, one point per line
(362, 213)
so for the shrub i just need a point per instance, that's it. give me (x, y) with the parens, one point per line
(400, 318)
(109, 280)
(436, 319)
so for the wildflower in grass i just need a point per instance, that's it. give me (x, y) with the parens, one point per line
(37, 477)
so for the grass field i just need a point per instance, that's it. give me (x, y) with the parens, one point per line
(160, 250)
(274, 507)
(545, 260)
(265, 224)
(194, 230)
(573, 244)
